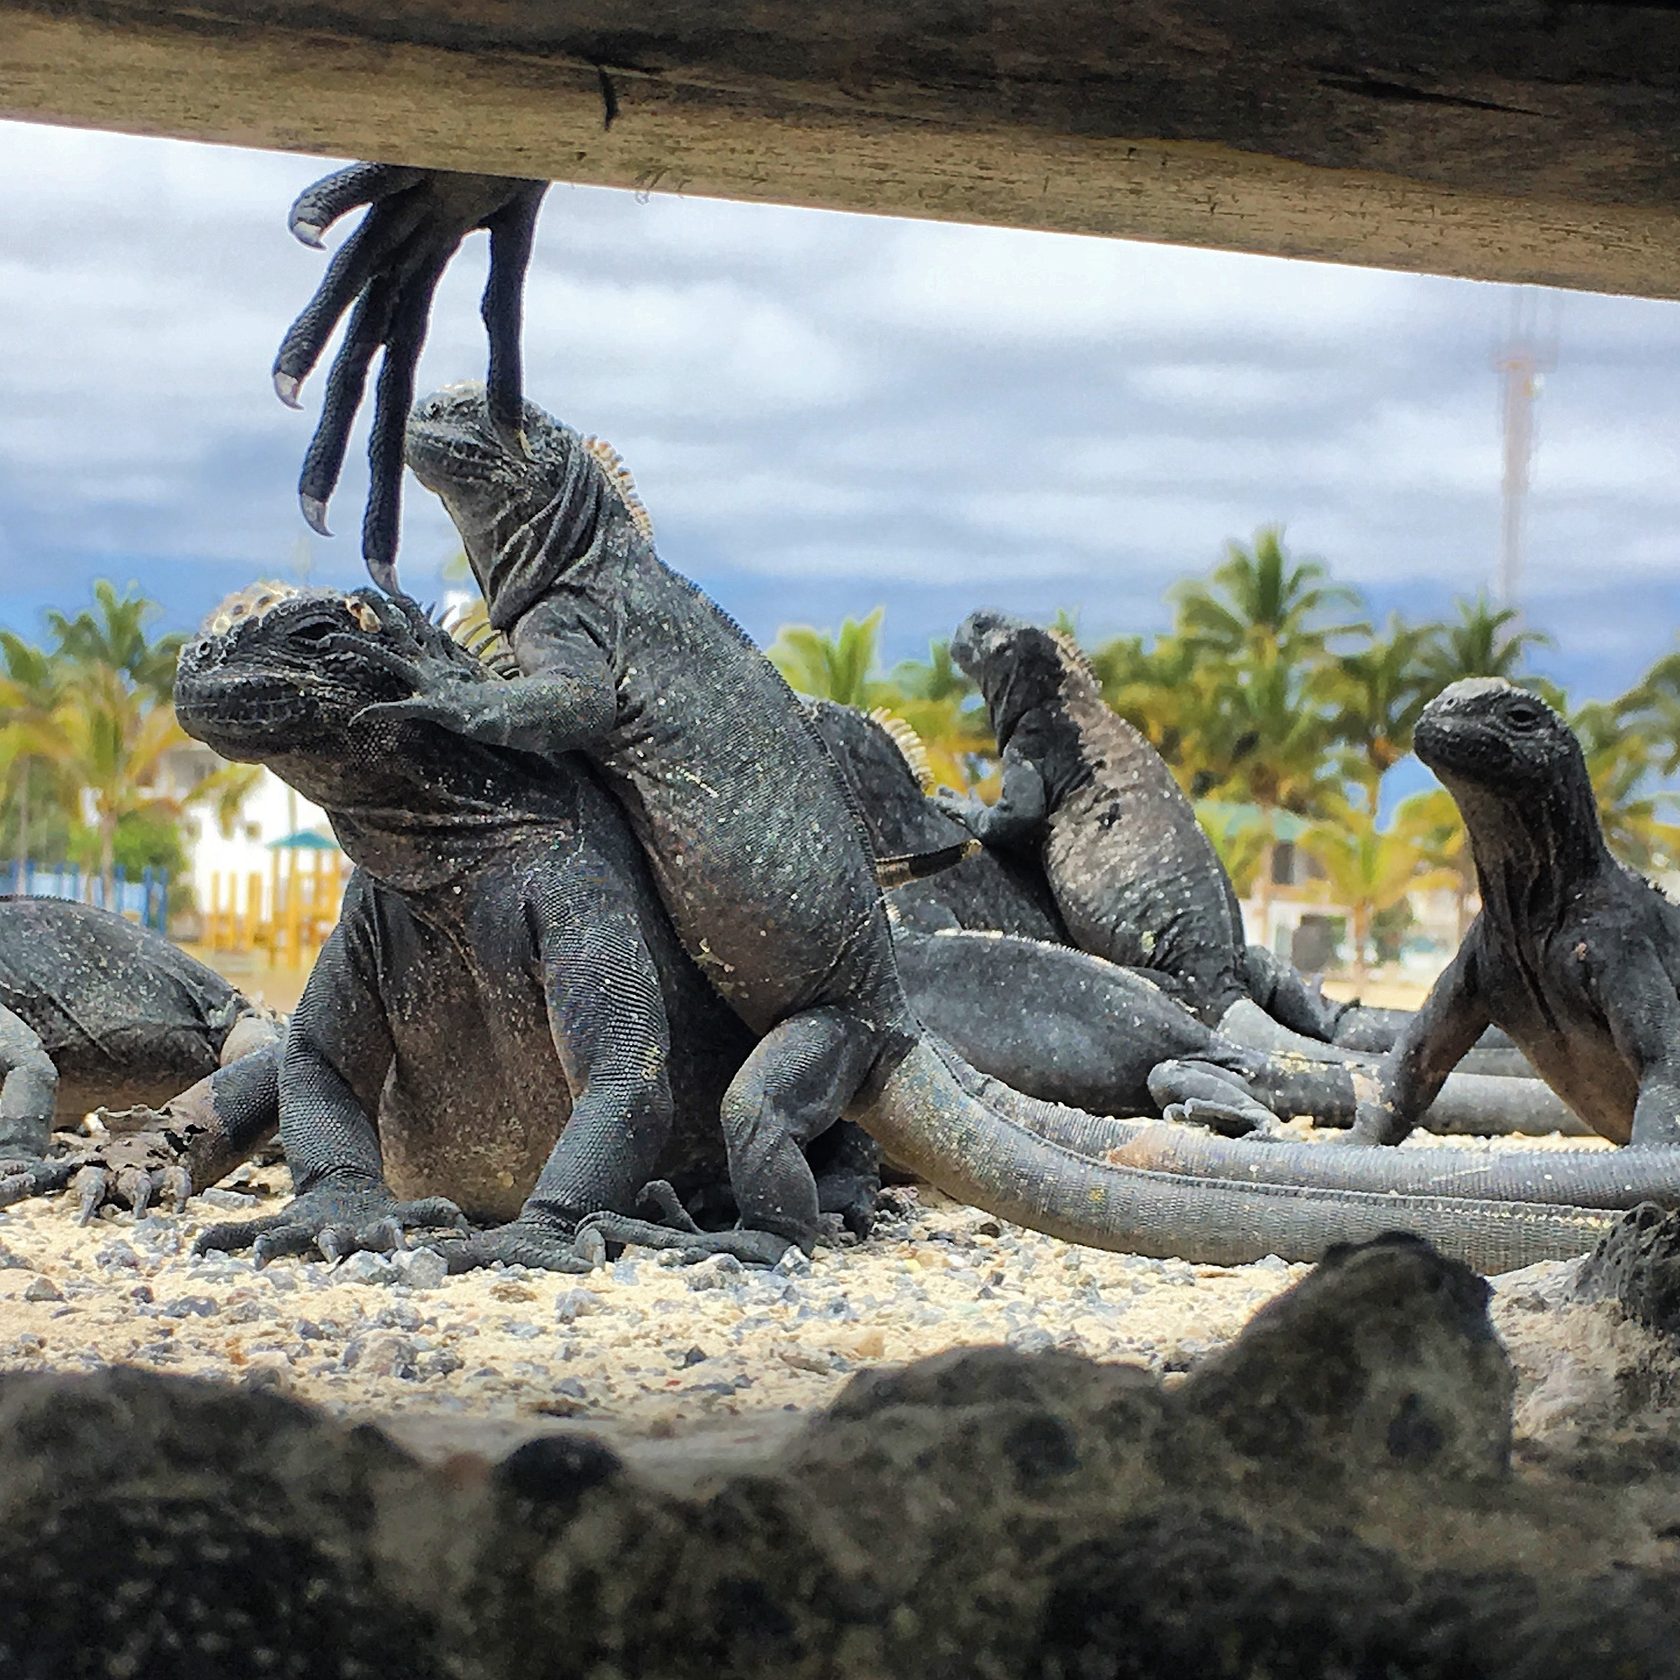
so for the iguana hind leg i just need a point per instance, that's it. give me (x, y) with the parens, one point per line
(791, 1089)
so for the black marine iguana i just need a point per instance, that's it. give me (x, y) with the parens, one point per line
(502, 1015)
(1133, 872)
(1574, 955)
(99, 1013)
(1061, 1024)
(767, 872)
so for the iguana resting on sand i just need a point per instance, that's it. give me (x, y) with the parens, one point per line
(1574, 955)
(99, 1013)
(1132, 870)
(502, 1016)
(1061, 1024)
(768, 876)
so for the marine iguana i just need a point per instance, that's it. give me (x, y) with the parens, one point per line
(1132, 870)
(1061, 1024)
(97, 1012)
(1573, 954)
(502, 1015)
(767, 872)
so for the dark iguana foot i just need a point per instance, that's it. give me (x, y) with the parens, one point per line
(334, 1221)
(388, 269)
(546, 1244)
(751, 1248)
(679, 1233)
(133, 1169)
(1205, 1095)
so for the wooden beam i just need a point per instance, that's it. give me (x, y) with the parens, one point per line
(1500, 138)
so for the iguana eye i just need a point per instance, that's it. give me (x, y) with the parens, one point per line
(1523, 715)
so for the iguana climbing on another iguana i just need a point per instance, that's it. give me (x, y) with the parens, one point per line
(1574, 955)
(766, 870)
(501, 1016)
(1062, 1024)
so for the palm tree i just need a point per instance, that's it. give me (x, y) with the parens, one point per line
(1367, 869)
(829, 667)
(1430, 822)
(115, 636)
(29, 685)
(1260, 602)
(1482, 643)
(1376, 695)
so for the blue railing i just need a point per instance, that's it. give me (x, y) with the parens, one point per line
(145, 896)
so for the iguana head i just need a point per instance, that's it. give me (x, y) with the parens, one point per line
(524, 517)
(1487, 733)
(1016, 665)
(277, 672)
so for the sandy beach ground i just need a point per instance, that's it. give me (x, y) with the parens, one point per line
(638, 1350)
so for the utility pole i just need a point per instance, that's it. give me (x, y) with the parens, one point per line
(1527, 354)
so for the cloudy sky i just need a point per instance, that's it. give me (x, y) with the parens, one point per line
(829, 412)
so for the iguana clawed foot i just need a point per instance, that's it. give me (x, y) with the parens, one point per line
(131, 1170)
(528, 1241)
(388, 270)
(333, 1221)
(1207, 1095)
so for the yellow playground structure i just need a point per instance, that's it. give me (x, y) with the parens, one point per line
(286, 915)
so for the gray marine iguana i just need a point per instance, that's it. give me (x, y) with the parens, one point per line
(1133, 873)
(1131, 868)
(98, 1013)
(767, 872)
(1061, 1024)
(502, 1016)
(1573, 954)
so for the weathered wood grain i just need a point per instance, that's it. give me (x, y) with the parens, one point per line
(1509, 139)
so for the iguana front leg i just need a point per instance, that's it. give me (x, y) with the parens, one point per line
(388, 269)
(568, 703)
(1436, 1040)
(337, 1053)
(1643, 1011)
(1016, 817)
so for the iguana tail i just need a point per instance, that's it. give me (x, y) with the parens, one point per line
(968, 1136)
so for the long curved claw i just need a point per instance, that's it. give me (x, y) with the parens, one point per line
(283, 1241)
(176, 1187)
(512, 234)
(320, 204)
(90, 1185)
(393, 398)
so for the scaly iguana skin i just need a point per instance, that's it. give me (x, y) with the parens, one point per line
(97, 1012)
(501, 1016)
(1132, 870)
(1070, 1027)
(768, 875)
(1574, 955)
